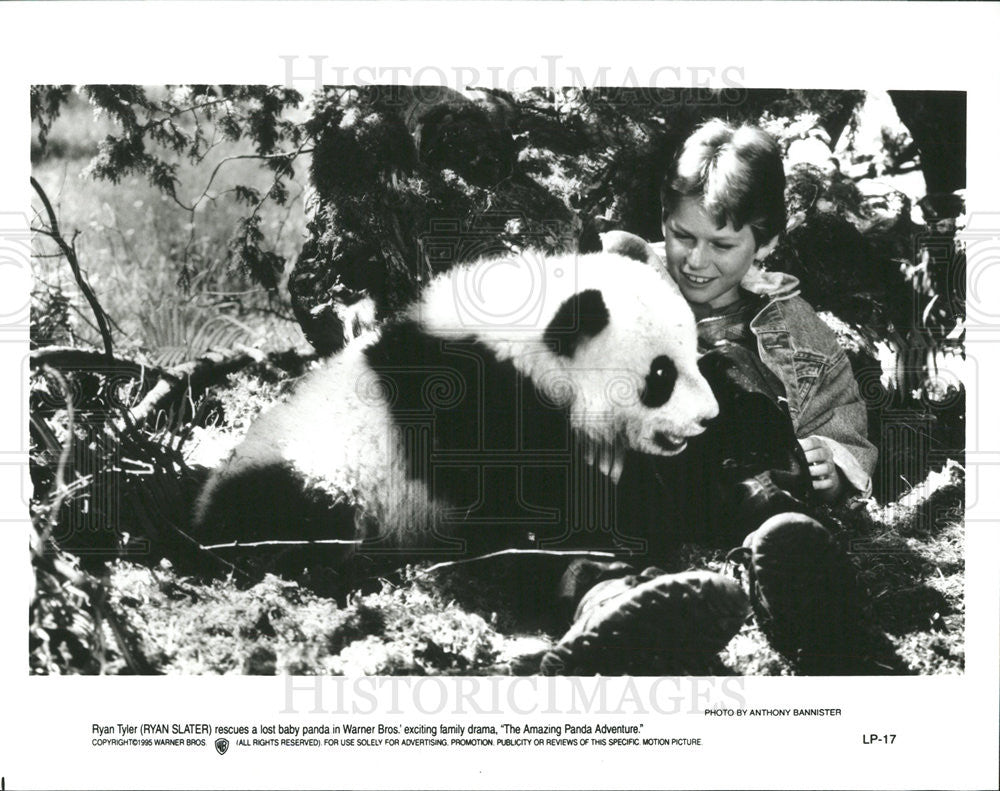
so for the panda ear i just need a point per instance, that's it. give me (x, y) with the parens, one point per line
(578, 319)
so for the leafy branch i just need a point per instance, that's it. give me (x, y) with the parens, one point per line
(156, 131)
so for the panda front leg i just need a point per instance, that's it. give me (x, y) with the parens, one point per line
(259, 509)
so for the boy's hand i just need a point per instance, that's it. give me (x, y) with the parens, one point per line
(826, 478)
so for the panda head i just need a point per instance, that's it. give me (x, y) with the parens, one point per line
(624, 357)
(607, 337)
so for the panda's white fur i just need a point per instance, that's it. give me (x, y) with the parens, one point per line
(339, 436)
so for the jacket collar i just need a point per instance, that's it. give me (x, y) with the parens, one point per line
(773, 285)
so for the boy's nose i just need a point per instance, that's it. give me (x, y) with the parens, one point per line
(696, 258)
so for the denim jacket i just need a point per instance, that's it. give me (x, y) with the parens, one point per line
(823, 398)
(822, 394)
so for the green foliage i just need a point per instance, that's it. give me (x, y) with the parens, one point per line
(275, 626)
(155, 130)
(145, 255)
(244, 397)
(176, 333)
(64, 637)
(264, 266)
(124, 488)
(46, 102)
(50, 315)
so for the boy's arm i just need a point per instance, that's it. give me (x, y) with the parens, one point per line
(837, 415)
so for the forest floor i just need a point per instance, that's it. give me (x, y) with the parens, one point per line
(909, 557)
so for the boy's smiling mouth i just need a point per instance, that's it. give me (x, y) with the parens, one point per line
(696, 279)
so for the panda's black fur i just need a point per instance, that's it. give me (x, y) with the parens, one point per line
(443, 436)
(509, 417)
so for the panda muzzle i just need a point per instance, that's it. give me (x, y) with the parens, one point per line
(668, 442)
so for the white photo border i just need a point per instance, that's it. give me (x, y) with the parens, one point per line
(947, 727)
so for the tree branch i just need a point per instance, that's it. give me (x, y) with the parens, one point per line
(74, 264)
(171, 383)
(61, 357)
(194, 375)
(292, 155)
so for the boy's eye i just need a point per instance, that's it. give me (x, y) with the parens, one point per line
(718, 246)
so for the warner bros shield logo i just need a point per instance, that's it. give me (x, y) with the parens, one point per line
(221, 745)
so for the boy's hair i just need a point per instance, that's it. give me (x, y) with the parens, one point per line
(736, 173)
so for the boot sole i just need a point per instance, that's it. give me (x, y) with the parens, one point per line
(675, 618)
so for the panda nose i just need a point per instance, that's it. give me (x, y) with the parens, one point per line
(710, 413)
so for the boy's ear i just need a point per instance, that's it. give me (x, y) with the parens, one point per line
(766, 249)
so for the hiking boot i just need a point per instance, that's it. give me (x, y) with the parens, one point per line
(760, 497)
(805, 595)
(582, 575)
(650, 623)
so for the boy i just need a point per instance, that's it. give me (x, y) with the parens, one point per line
(723, 211)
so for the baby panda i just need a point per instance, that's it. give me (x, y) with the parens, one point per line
(494, 413)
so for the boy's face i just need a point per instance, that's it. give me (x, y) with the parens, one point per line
(707, 262)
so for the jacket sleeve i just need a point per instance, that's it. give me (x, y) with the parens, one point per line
(836, 414)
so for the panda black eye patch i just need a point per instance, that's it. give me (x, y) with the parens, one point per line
(659, 382)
